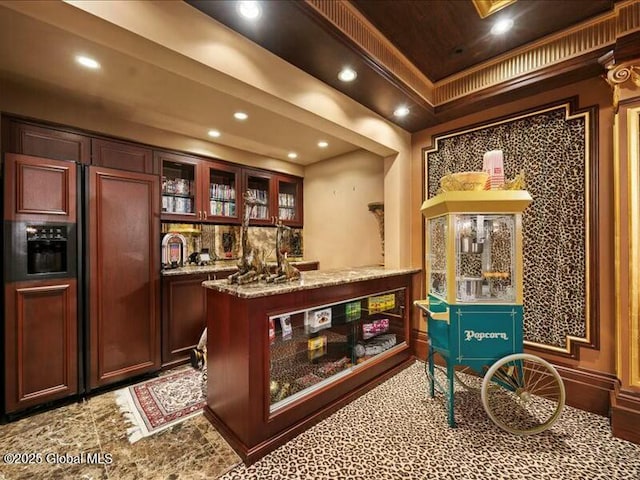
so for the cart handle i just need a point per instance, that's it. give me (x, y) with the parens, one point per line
(424, 306)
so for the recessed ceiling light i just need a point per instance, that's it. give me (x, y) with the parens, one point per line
(502, 26)
(213, 133)
(240, 116)
(292, 155)
(87, 62)
(323, 144)
(249, 9)
(347, 74)
(401, 111)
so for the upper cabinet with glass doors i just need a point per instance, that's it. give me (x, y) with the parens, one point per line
(197, 190)
(279, 197)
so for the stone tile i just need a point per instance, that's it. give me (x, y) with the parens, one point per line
(68, 429)
(109, 422)
(205, 463)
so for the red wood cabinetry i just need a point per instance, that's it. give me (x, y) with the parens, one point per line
(194, 189)
(39, 189)
(39, 141)
(123, 156)
(261, 185)
(279, 196)
(41, 350)
(184, 316)
(124, 273)
(288, 199)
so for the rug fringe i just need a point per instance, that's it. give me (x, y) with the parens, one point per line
(127, 409)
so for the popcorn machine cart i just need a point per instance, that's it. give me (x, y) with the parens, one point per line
(474, 273)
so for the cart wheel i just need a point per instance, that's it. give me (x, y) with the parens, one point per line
(523, 394)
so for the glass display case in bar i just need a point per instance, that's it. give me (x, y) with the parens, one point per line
(312, 348)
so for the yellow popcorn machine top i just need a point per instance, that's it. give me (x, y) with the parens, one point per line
(474, 308)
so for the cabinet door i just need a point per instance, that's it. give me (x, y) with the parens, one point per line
(220, 188)
(181, 187)
(184, 316)
(123, 156)
(41, 349)
(288, 199)
(45, 142)
(39, 189)
(260, 184)
(124, 275)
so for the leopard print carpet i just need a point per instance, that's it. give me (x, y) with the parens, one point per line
(396, 431)
(551, 148)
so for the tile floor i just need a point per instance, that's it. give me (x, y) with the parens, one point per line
(190, 450)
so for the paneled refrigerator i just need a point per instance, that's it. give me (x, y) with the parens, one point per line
(81, 278)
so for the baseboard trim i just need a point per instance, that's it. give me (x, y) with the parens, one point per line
(588, 390)
(625, 414)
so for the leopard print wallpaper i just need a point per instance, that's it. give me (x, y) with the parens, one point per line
(553, 147)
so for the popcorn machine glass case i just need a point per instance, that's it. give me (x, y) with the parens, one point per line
(474, 247)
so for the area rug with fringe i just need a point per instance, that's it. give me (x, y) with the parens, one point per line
(157, 404)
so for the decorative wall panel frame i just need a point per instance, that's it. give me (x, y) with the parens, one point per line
(565, 190)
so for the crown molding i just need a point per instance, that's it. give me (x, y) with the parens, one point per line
(564, 46)
(346, 18)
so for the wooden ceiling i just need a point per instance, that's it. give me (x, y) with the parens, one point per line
(440, 38)
(444, 37)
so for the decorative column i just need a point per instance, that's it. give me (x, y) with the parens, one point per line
(623, 75)
(377, 208)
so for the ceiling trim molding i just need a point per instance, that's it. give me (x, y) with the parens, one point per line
(564, 46)
(346, 18)
(489, 7)
(554, 49)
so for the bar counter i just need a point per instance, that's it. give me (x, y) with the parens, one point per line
(268, 383)
(308, 280)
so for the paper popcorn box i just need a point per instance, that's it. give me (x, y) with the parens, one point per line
(493, 164)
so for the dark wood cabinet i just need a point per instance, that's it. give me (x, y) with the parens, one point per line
(279, 196)
(221, 186)
(39, 189)
(288, 199)
(184, 316)
(196, 189)
(261, 185)
(123, 156)
(41, 349)
(40, 141)
(124, 272)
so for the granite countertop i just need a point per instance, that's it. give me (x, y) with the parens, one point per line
(308, 280)
(220, 266)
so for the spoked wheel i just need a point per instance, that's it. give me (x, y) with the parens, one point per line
(523, 394)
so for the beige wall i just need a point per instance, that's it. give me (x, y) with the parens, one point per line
(591, 92)
(168, 36)
(339, 230)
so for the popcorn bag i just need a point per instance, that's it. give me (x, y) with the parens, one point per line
(493, 164)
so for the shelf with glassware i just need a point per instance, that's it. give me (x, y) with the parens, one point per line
(312, 348)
